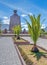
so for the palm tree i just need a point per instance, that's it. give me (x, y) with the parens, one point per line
(34, 29)
(17, 30)
(14, 30)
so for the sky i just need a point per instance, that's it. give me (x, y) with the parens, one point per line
(23, 7)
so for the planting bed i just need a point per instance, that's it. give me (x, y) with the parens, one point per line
(20, 41)
(31, 58)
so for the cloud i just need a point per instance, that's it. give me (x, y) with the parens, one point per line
(24, 26)
(5, 20)
(23, 10)
(5, 17)
(23, 15)
(43, 26)
(30, 14)
(11, 6)
(22, 23)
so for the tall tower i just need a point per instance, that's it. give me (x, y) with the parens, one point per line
(14, 20)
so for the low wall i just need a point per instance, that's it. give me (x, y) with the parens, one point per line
(14, 35)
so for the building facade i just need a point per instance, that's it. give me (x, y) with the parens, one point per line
(14, 20)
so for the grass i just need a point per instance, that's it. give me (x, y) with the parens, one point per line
(17, 40)
(21, 40)
(39, 58)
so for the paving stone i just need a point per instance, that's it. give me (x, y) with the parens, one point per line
(8, 53)
(41, 42)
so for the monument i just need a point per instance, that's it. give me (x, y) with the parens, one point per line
(14, 20)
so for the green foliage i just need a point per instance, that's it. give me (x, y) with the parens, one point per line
(45, 33)
(0, 31)
(34, 28)
(38, 55)
(17, 29)
(43, 30)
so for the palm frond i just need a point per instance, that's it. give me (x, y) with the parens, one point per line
(35, 27)
(17, 29)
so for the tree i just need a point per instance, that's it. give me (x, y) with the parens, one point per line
(34, 29)
(14, 30)
(17, 30)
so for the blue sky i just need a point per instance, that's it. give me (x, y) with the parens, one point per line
(24, 8)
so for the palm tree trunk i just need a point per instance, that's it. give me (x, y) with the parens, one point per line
(15, 34)
(18, 37)
(34, 44)
(34, 48)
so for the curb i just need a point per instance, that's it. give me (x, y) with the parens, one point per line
(21, 43)
(20, 57)
(37, 46)
(40, 47)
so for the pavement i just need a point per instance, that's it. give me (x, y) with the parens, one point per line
(41, 42)
(8, 53)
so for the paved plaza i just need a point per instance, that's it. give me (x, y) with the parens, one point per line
(8, 53)
(41, 42)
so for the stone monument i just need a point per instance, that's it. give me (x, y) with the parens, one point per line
(14, 20)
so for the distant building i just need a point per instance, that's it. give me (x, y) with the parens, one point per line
(14, 20)
(25, 31)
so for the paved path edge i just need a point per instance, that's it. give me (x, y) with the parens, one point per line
(19, 54)
(42, 48)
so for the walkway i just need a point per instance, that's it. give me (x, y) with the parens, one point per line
(8, 53)
(41, 42)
